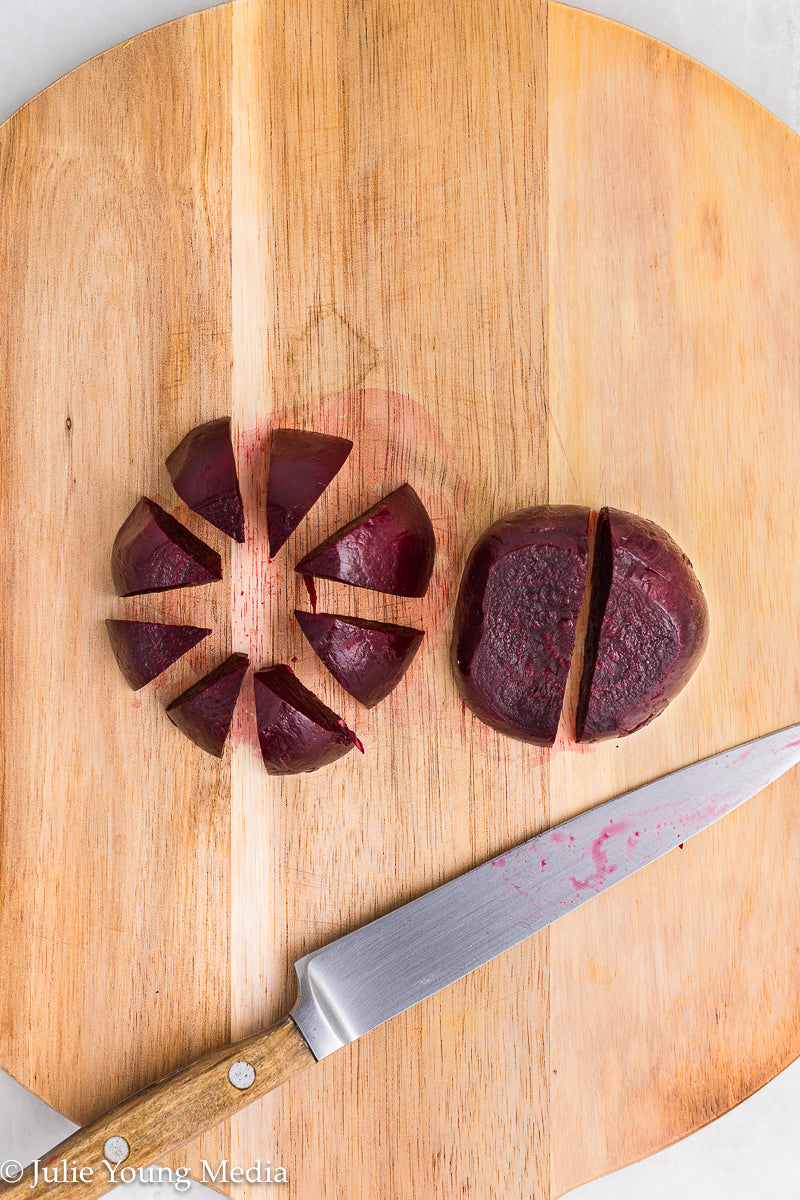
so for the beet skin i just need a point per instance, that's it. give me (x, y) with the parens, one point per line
(144, 649)
(368, 658)
(515, 619)
(648, 627)
(204, 712)
(153, 552)
(389, 548)
(203, 473)
(296, 731)
(301, 465)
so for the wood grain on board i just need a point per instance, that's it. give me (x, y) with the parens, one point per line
(517, 253)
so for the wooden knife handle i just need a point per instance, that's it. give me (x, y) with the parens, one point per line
(166, 1115)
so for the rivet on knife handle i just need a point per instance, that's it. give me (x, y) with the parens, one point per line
(170, 1113)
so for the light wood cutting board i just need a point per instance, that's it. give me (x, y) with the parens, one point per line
(519, 254)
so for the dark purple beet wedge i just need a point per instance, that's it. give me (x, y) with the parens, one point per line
(368, 658)
(204, 712)
(515, 619)
(153, 552)
(389, 548)
(203, 473)
(648, 627)
(296, 731)
(301, 466)
(144, 649)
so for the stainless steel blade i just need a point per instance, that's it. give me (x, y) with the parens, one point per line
(364, 978)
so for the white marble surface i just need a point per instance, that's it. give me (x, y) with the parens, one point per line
(750, 1153)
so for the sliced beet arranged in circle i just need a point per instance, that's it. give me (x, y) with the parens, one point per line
(389, 548)
(368, 658)
(516, 617)
(648, 627)
(153, 552)
(203, 473)
(204, 712)
(296, 731)
(144, 649)
(301, 465)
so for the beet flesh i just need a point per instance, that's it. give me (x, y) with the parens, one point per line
(389, 548)
(153, 552)
(516, 616)
(203, 473)
(296, 731)
(301, 465)
(647, 631)
(204, 712)
(368, 658)
(144, 649)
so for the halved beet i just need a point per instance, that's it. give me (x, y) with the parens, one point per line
(204, 712)
(296, 731)
(389, 548)
(368, 658)
(515, 619)
(301, 466)
(648, 627)
(203, 473)
(153, 552)
(144, 649)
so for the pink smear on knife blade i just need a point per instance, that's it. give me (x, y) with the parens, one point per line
(602, 867)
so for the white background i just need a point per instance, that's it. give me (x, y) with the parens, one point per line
(750, 1154)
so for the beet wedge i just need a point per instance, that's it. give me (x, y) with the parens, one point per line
(204, 712)
(203, 473)
(144, 649)
(301, 465)
(296, 731)
(516, 617)
(389, 548)
(647, 630)
(153, 552)
(368, 658)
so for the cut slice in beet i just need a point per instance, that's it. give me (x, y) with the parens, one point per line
(515, 620)
(203, 473)
(153, 552)
(368, 658)
(301, 466)
(296, 731)
(389, 548)
(648, 627)
(144, 649)
(204, 712)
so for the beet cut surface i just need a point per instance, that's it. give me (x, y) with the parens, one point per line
(301, 465)
(368, 658)
(153, 552)
(204, 712)
(203, 473)
(389, 548)
(296, 731)
(144, 649)
(648, 627)
(515, 619)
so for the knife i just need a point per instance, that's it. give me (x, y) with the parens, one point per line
(368, 976)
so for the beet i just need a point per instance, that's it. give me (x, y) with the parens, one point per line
(389, 548)
(648, 627)
(368, 658)
(515, 619)
(296, 731)
(153, 552)
(301, 466)
(204, 712)
(203, 473)
(144, 649)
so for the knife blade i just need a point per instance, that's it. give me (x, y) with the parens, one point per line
(370, 975)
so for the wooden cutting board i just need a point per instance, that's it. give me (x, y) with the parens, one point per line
(519, 254)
